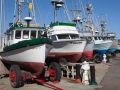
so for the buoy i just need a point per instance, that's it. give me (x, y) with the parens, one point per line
(85, 67)
(78, 76)
(104, 58)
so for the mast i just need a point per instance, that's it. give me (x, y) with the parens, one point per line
(19, 3)
(89, 7)
(1, 25)
(57, 4)
(102, 24)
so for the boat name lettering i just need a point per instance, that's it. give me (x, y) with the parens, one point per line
(75, 42)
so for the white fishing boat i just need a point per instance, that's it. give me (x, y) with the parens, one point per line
(112, 36)
(26, 50)
(66, 41)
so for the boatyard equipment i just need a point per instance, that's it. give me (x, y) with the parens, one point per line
(85, 78)
(78, 76)
(92, 73)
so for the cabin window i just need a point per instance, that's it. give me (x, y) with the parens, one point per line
(63, 37)
(74, 36)
(89, 38)
(99, 38)
(53, 37)
(25, 34)
(39, 33)
(12, 35)
(8, 36)
(95, 38)
(33, 34)
(18, 34)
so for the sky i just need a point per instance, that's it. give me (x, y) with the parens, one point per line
(110, 9)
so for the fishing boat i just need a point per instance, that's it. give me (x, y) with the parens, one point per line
(85, 34)
(101, 46)
(88, 51)
(26, 50)
(111, 36)
(66, 41)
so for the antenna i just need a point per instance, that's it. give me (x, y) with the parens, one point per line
(19, 3)
(57, 4)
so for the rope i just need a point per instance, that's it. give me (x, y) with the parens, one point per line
(39, 13)
(66, 10)
(47, 14)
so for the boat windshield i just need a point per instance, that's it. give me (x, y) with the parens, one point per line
(18, 34)
(25, 34)
(118, 42)
(53, 37)
(74, 36)
(33, 34)
(95, 38)
(99, 38)
(63, 37)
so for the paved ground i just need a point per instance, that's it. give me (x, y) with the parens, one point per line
(102, 70)
(111, 80)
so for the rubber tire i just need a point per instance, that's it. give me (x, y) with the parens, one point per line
(97, 56)
(63, 60)
(82, 59)
(17, 71)
(57, 68)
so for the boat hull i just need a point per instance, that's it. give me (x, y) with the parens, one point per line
(31, 58)
(88, 51)
(101, 47)
(113, 47)
(70, 50)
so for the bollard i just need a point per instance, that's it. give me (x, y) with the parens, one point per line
(92, 74)
(78, 76)
(104, 58)
(85, 67)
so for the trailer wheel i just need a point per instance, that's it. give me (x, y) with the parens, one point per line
(62, 61)
(54, 72)
(15, 76)
(82, 59)
(97, 58)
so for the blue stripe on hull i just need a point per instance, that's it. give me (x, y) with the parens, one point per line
(101, 52)
(112, 49)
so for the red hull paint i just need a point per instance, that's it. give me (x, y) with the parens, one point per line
(70, 57)
(35, 68)
(88, 54)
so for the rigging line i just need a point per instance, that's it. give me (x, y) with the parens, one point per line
(47, 14)
(67, 11)
(34, 11)
(40, 13)
(14, 12)
(80, 1)
(72, 6)
(4, 15)
(1, 24)
(96, 18)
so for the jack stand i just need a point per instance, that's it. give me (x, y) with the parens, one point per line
(85, 67)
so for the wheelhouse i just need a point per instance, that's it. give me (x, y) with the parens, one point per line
(16, 34)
